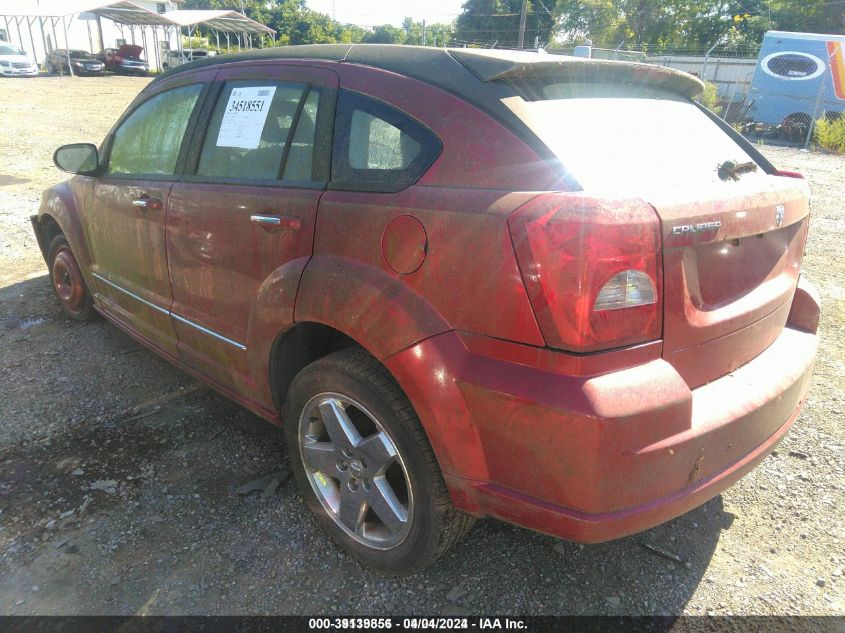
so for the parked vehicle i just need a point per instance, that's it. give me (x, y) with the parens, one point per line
(16, 63)
(83, 62)
(125, 60)
(798, 76)
(177, 58)
(471, 283)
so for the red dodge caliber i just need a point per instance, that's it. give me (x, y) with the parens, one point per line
(549, 290)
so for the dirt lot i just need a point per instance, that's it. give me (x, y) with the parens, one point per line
(119, 474)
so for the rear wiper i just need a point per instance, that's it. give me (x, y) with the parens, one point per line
(733, 170)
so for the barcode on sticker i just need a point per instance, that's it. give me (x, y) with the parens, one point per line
(263, 93)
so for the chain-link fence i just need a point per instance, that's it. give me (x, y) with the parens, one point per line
(780, 95)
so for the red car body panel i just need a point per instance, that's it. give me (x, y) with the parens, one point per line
(437, 282)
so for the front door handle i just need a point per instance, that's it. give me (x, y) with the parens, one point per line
(145, 203)
(274, 223)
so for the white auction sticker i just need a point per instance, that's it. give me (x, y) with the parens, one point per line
(244, 118)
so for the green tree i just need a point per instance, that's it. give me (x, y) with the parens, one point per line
(489, 21)
(658, 25)
(384, 34)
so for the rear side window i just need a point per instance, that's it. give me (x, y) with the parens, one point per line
(378, 148)
(148, 141)
(261, 130)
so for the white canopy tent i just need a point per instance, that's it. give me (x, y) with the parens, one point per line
(220, 21)
(124, 13)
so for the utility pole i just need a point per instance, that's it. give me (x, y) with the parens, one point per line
(423, 33)
(522, 16)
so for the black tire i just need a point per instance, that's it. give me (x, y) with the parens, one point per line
(795, 127)
(434, 525)
(67, 281)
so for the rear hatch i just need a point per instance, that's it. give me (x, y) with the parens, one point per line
(731, 238)
(731, 260)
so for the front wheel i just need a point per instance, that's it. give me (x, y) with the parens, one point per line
(365, 466)
(68, 283)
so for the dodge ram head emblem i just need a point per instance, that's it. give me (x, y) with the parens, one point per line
(683, 229)
(779, 213)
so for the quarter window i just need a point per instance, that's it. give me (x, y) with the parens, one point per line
(379, 148)
(258, 125)
(149, 140)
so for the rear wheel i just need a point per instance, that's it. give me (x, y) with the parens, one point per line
(68, 283)
(365, 465)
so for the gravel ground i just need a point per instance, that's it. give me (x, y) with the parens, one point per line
(119, 474)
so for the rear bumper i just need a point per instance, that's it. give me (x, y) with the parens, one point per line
(592, 458)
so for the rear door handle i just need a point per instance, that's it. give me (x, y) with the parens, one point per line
(145, 203)
(276, 223)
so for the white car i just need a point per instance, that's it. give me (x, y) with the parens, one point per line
(174, 58)
(15, 63)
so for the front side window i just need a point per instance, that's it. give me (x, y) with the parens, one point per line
(258, 125)
(148, 142)
(379, 148)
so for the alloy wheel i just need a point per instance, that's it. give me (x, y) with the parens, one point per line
(355, 470)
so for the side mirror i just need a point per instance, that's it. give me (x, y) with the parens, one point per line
(77, 158)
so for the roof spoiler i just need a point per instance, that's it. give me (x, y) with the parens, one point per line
(488, 65)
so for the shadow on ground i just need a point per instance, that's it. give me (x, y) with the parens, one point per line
(118, 479)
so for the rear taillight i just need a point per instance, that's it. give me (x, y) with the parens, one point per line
(592, 269)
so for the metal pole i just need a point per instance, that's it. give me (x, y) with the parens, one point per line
(707, 58)
(90, 39)
(100, 34)
(522, 16)
(157, 47)
(815, 112)
(228, 43)
(217, 37)
(43, 40)
(18, 26)
(423, 32)
(32, 39)
(56, 43)
(67, 48)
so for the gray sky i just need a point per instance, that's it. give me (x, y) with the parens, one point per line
(372, 12)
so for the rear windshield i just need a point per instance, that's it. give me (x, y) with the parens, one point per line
(624, 140)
